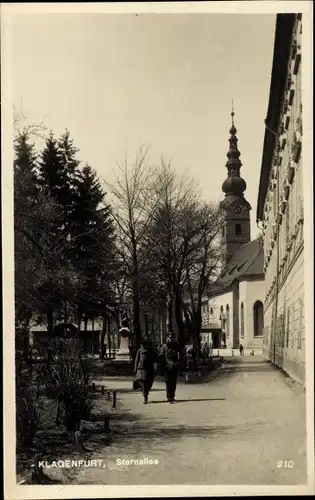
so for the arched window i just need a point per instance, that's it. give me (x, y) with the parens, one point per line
(227, 325)
(242, 321)
(222, 318)
(258, 318)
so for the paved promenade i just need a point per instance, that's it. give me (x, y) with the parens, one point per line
(232, 430)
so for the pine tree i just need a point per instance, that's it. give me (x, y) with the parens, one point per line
(25, 178)
(57, 171)
(92, 244)
(25, 198)
(51, 170)
(70, 165)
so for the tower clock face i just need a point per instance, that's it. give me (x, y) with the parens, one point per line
(237, 209)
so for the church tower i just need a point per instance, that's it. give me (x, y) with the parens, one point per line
(236, 209)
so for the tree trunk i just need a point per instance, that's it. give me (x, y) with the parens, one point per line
(197, 329)
(92, 338)
(50, 330)
(103, 333)
(146, 323)
(136, 315)
(170, 315)
(79, 319)
(26, 344)
(109, 337)
(179, 320)
(66, 312)
(153, 328)
(25, 336)
(50, 324)
(85, 338)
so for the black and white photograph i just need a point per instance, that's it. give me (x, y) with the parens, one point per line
(157, 249)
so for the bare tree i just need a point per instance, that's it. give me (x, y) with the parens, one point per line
(202, 266)
(132, 213)
(173, 195)
(184, 241)
(22, 127)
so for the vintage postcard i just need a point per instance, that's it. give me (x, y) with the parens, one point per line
(157, 249)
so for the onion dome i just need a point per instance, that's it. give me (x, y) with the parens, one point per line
(234, 184)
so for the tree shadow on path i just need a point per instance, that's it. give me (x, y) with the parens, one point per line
(150, 433)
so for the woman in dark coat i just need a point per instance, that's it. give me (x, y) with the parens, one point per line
(145, 367)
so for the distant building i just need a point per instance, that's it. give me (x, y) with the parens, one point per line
(233, 310)
(280, 204)
(39, 337)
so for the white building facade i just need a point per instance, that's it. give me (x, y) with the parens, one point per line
(280, 205)
(234, 312)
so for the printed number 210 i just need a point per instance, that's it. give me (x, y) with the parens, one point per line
(287, 464)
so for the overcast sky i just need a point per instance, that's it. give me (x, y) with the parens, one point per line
(163, 80)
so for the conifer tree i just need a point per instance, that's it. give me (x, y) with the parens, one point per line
(25, 197)
(70, 165)
(57, 169)
(92, 244)
(25, 178)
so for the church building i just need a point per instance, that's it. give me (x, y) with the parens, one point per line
(233, 312)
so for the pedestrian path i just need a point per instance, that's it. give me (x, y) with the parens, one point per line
(236, 429)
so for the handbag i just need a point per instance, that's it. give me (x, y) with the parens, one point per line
(136, 384)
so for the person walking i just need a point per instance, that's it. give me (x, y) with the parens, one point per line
(241, 348)
(169, 359)
(145, 367)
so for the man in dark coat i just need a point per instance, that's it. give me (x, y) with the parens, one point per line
(145, 367)
(169, 359)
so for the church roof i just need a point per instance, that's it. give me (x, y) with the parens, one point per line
(246, 262)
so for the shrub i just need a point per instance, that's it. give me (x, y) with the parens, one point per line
(27, 415)
(66, 378)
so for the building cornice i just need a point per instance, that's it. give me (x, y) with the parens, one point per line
(220, 291)
(281, 54)
(252, 277)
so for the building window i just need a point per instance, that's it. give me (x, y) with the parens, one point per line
(300, 339)
(258, 318)
(211, 310)
(222, 318)
(242, 321)
(227, 323)
(281, 330)
(274, 202)
(294, 326)
(288, 329)
(238, 229)
(287, 226)
(223, 231)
